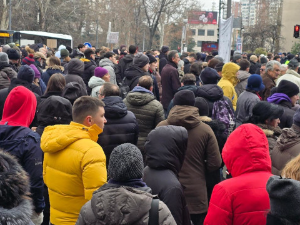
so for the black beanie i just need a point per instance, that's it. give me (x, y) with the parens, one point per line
(202, 105)
(284, 197)
(26, 73)
(125, 163)
(184, 97)
(152, 59)
(263, 111)
(13, 54)
(288, 88)
(209, 76)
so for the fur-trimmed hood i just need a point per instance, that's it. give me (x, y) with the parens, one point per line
(270, 131)
(14, 182)
(289, 138)
(55, 67)
(19, 215)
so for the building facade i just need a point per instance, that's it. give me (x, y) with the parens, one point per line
(204, 28)
(290, 17)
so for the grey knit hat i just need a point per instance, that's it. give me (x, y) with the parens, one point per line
(3, 58)
(284, 198)
(140, 60)
(125, 163)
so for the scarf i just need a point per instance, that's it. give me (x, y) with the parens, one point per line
(278, 97)
(135, 183)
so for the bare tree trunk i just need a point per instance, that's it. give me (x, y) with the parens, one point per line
(4, 16)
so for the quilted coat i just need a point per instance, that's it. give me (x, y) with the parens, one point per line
(243, 199)
(74, 167)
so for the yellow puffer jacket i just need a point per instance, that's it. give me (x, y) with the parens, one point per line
(74, 167)
(228, 81)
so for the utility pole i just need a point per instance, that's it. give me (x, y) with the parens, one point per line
(228, 8)
(11, 36)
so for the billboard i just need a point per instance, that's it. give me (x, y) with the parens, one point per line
(203, 17)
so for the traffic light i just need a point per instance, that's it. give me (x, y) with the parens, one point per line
(296, 31)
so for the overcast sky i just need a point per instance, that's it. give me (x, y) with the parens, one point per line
(207, 4)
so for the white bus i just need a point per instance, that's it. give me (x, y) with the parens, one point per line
(20, 38)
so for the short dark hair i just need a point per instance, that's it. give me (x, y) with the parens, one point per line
(109, 89)
(244, 64)
(149, 52)
(80, 46)
(196, 68)
(276, 57)
(132, 49)
(88, 52)
(209, 57)
(213, 62)
(109, 54)
(184, 55)
(188, 79)
(97, 51)
(171, 55)
(146, 82)
(85, 106)
(192, 54)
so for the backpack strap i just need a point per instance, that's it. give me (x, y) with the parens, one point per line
(153, 212)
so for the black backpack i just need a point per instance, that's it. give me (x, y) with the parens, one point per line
(125, 86)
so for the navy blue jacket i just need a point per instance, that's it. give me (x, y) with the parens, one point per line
(121, 126)
(24, 144)
(48, 73)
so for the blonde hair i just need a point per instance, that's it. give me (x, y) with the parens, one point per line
(253, 58)
(292, 169)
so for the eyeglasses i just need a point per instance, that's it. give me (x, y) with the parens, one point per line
(98, 94)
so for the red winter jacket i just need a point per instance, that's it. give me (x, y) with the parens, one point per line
(243, 199)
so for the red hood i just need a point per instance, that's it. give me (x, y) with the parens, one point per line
(19, 108)
(247, 150)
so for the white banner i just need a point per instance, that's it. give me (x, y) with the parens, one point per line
(113, 38)
(225, 33)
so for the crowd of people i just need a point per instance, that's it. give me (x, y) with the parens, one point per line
(99, 136)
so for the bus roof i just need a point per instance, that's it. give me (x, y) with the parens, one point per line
(46, 34)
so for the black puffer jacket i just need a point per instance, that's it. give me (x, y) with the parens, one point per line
(187, 65)
(212, 93)
(165, 150)
(132, 74)
(18, 82)
(53, 110)
(121, 126)
(286, 120)
(124, 64)
(89, 68)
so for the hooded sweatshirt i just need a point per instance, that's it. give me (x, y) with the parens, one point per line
(95, 83)
(19, 140)
(110, 66)
(75, 72)
(228, 82)
(71, 180)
